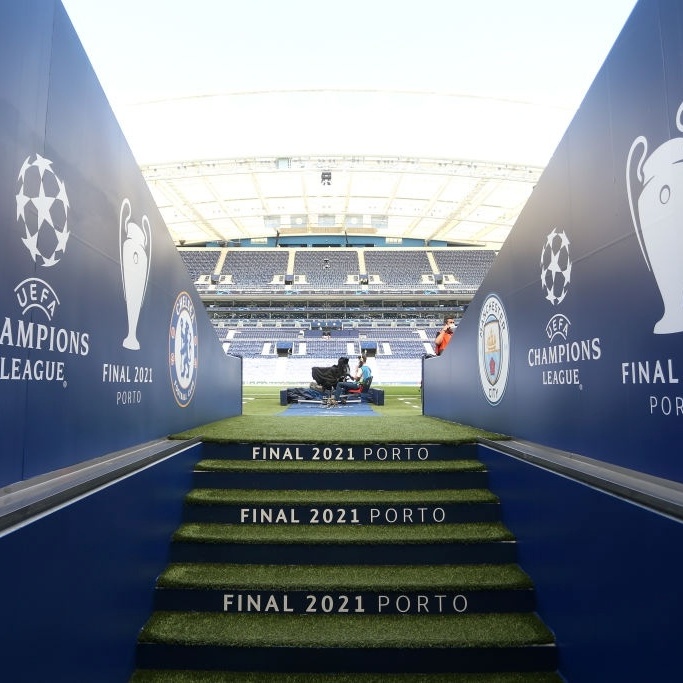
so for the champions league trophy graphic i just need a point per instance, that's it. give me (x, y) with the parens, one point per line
(658, 219)
(135, 246)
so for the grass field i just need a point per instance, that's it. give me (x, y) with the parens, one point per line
(402, 422)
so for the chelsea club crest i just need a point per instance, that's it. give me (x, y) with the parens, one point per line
(182, 349)
(494, 349)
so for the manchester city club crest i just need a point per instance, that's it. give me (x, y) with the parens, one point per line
(182, 350)
(494, 349)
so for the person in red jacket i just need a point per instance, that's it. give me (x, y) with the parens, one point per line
(445, 335)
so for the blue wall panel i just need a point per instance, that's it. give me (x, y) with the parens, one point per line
(76, 586)
(92, 290)
(607, 573)
(578, 359)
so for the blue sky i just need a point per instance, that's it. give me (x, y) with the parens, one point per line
(435, 77)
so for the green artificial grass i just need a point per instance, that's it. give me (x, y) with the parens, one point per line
(208, 576)
(348, 630)
(416, 466)
(475, 532)
(331, 497)
(262, 421)
(340, 429)
(235, 677)
(398, 400)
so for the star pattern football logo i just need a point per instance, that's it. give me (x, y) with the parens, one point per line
(42, 211)
(556, 267)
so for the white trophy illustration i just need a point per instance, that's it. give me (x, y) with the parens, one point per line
(135, 244)
(657, 215)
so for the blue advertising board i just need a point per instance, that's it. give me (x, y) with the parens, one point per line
(104, 342)
(575, 338)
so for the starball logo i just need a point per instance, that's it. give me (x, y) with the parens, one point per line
(556, 267)
(559, 358)
(42, 216)
(42, 221)
(42, 211)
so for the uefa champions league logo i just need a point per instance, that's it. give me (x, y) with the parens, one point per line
(42, 211)
(42, 215)
(556, 267)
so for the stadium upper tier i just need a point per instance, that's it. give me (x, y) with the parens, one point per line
(352, 271)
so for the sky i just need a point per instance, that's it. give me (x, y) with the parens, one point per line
(496, 80)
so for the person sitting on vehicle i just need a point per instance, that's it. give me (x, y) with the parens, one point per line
(363, 380)
(363, 374)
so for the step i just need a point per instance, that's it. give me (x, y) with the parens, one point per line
(256, 506)
(349, 577)
(347, 643)
(188, 676)
(479, 542)
(244, 474)
(335, 452)
(355, 563)
(440, 589)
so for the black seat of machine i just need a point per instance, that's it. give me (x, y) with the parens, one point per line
(327, 377)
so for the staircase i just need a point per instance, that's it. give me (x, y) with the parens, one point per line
(300, 563)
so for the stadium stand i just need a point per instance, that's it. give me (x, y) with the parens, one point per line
(397, 269)
(255, 270)
(286, 309)
(200, 263)
(326, 270)
(337, 270)
(467, 268)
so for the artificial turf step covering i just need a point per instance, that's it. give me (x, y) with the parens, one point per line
(400, 643)
(413, 466)
(302, 589)
(350, 577)
(330, 497)
(169, 676)
(347, 534)
(481, 543)
(226, 474)
(357, 631)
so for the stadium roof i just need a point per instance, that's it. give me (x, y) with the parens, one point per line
(431, 200)
(432, 167)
